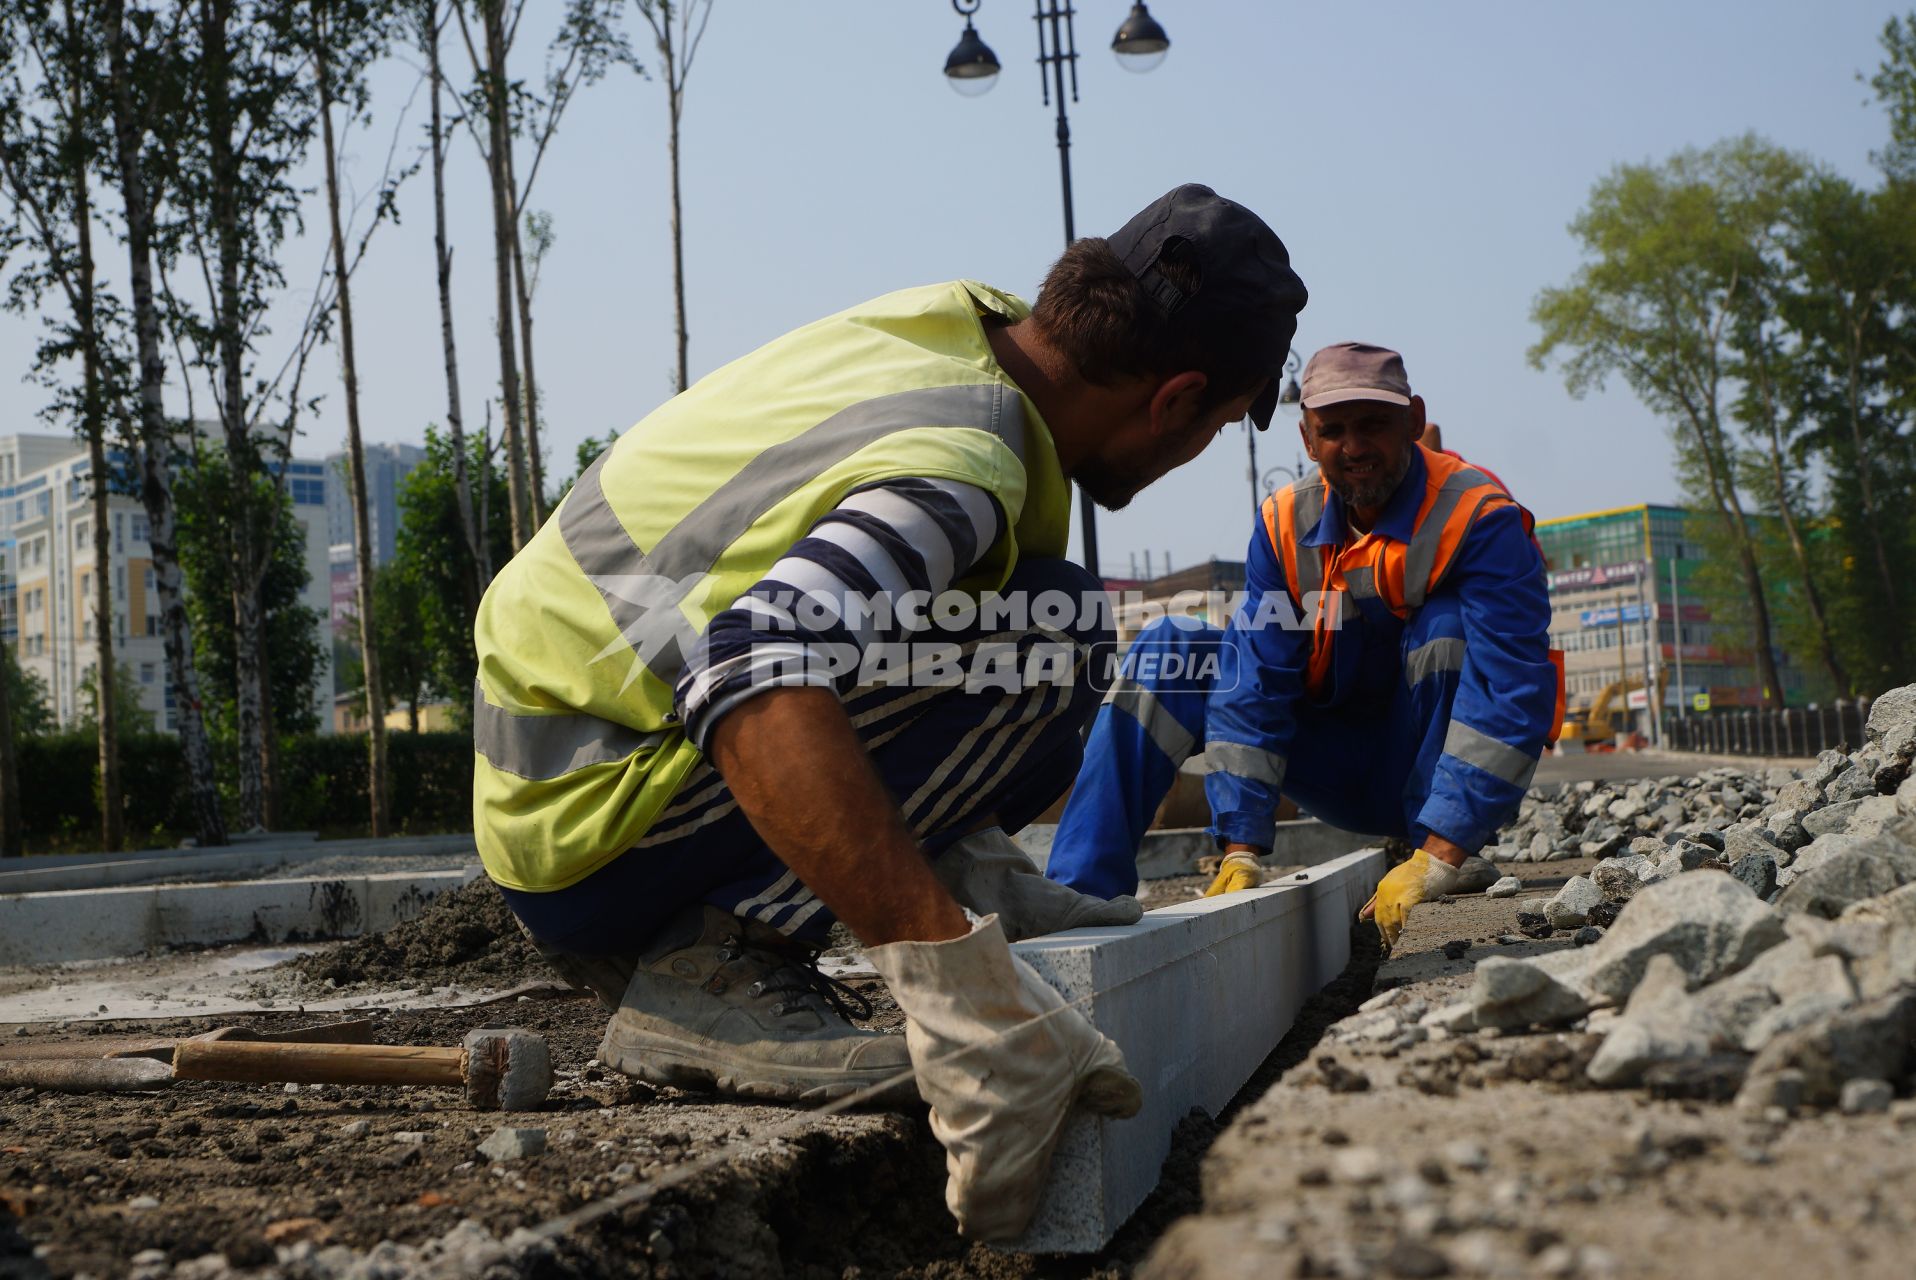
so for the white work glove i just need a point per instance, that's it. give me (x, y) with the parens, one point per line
(990, 875)
(1001, 1059)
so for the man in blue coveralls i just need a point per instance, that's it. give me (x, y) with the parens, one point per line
(1388, 669)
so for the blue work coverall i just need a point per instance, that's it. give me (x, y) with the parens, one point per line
(1431, 724)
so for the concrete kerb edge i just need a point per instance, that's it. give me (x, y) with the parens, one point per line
(1192, 1040)
(93, 924)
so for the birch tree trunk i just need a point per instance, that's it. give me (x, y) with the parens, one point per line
(156, 444)
(675, 99)
(535, 465)
(476, 546)
(499, 141)
(247, 541)
(106, 679)
(362, 527)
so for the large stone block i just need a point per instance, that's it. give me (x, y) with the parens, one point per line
(1197, 995)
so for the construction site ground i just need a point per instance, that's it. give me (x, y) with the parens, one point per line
(1475, 1155)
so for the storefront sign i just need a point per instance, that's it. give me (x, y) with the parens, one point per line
(1596, 575)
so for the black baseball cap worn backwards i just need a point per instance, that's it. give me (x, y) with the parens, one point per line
(1247, 297)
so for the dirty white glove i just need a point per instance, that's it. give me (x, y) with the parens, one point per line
(1001, 1059)
(990, 875)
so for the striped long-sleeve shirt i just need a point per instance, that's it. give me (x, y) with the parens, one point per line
(836, 593)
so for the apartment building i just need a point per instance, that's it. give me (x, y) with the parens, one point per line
(47, 567)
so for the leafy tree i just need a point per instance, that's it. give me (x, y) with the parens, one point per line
(1670, 252)
(128, 712)
(407, 663)
(1855, 258)
(432, 555)
(53, 137)
(144, 88)
(291, 627)
(1895, 85)
(26, 695)
(678, 28)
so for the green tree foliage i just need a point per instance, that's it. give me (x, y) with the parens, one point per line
(27, 698)
(127, 711)
(1895, 85)
(433, 560)
(1672, 253)
(207, 495)
(400, 611)
(1762, 304)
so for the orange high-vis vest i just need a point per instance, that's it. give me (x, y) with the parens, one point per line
(1399, 575)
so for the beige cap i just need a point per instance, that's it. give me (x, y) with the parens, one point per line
(1355, 371)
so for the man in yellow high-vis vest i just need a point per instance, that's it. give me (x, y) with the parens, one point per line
(802, 647)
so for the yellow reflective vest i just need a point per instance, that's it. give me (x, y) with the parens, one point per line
(582, 636)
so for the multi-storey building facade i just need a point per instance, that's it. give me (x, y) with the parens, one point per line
(387, 466)
(47, 567)
(1625, 600)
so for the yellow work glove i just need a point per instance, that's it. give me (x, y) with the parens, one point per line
(1409, 883)
(1239, 871)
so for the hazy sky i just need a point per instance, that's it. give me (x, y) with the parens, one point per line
(1421, 161)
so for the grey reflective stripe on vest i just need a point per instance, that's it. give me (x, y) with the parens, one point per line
(1307, 508)
(1420, 557)
(643, 588)
(551, 745)
(1498, 759)
(1362, 581)
(1170, 737)
(1445, 653)
(1241, 761)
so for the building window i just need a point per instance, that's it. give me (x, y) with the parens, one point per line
(147, 673)
(149, 579)
(80, 528)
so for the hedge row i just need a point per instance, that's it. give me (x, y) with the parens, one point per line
(321, 787)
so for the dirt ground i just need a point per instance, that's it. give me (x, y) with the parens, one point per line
(1475, 1155)
(1481, 1155)
(94, 1182)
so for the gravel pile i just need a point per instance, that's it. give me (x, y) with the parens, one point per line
(1742, 937)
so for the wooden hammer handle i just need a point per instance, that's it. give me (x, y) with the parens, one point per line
(267, 1061)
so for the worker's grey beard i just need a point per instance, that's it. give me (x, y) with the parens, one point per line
(1379, 491)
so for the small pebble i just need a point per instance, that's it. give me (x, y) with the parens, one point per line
(355, 1128)
(509, 1143)
(1465, 1154)
(1587, 935)
(1358, 1166)
(1866, 1097)
(143, 1202)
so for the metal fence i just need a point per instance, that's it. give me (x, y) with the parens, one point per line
(1792, 731)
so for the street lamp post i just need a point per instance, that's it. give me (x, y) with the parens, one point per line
(972, 68)
(1290, 393)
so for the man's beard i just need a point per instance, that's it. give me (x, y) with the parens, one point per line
(1112, 485)
(1375, 493)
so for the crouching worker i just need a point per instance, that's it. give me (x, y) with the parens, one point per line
(750, 679)
(1389, 668)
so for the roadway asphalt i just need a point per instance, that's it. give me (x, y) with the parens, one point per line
(1622, 765)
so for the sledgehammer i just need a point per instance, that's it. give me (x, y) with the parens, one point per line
(500, 1068)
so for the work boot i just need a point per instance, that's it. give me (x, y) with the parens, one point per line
(727, 1005)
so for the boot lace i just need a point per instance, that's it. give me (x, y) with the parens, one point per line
(796, 973)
